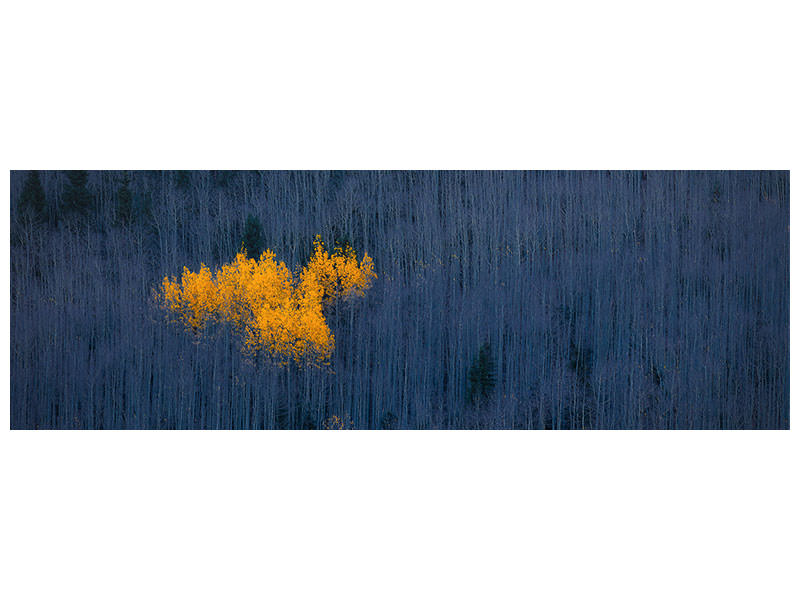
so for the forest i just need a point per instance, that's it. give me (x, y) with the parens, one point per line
(491, 300)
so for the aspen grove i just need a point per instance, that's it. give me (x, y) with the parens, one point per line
(399, 299)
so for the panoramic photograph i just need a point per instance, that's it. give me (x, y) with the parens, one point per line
(319, 300)
(431, 300)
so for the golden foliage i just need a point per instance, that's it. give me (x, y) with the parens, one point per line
(273, 311)
(337, 422)
(340, 274)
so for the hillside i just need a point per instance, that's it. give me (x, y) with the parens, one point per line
(525, 300)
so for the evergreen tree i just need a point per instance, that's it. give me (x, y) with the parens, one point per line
(481, 376)
(222, 178)
(32, 202)
(253, 239)
(124, 202)
(77, 198)
(183, 179)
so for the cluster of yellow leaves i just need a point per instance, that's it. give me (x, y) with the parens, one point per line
(340, 274)
(336, 422)
(273, 311)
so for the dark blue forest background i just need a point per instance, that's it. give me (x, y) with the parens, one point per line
(524, 300)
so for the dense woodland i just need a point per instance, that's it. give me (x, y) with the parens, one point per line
(525, 300)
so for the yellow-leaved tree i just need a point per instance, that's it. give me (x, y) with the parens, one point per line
(275, 313)
(340, 274)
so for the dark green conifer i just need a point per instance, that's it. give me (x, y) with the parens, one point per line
(124, 202)
(183, 179)
(77, 198)
(253, 238)
(481, 376)
(33, 203)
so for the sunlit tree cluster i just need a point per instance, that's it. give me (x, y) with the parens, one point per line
(275, 312)
(340, 274)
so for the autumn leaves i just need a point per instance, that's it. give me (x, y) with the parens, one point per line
(275, 313)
